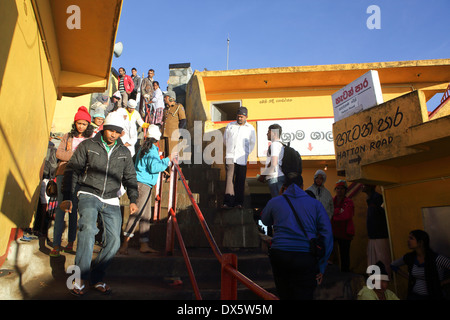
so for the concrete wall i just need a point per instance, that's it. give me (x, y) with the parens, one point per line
(179, 76)
(27, 99)
(37, 67)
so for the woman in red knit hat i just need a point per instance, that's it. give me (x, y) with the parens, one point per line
(81, 130)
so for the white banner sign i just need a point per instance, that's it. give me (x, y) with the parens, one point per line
(310, 137)
(361, 94)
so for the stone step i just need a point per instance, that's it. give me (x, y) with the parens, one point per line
(233, 228)
(134, 276)
(34, 275)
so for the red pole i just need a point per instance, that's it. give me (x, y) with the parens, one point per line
(228, 281)
(158, 198)
(185, 256)
(170, 238)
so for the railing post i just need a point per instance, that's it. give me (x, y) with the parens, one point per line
(228, 281)
(158, 198)
(170, 237)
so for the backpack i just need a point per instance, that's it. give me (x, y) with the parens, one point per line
(292, 161)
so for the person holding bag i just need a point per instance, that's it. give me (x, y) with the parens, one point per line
(296, 267)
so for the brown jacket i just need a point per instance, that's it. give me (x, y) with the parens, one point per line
(172, 117)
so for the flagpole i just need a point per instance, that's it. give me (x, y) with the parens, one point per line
(228, 49)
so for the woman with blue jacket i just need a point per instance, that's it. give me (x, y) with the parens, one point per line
(148, 166)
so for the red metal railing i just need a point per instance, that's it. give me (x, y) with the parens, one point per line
(229, 273)
(446, 95)
(353, 189)
(444, 99)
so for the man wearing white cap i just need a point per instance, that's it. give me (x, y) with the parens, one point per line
(131, 117)
(148, 166)
(99, 166)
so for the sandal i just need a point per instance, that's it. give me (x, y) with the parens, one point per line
(103, 288)
(78, 290)
(69, 249)
(55, 253)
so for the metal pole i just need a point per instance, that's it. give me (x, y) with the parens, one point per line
(228, 49)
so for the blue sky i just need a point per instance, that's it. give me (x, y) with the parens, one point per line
(280, 33)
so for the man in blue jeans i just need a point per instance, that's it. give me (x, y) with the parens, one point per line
(98, 168)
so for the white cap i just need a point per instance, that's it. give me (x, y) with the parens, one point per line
(153, 132)
(132, 104)
(384, 277)
(117, 95)
(114, 121)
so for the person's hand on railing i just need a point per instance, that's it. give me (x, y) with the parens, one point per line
(173, 155)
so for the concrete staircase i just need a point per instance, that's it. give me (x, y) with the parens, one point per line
(233, 228)
(136, 276)
(36, 276)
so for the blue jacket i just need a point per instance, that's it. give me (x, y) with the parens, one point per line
(148, 167)
(288, 235)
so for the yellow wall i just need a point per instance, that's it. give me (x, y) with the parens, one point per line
(31, 81)
(404, 202)
(27, 102)
(65, 112)
(67, 107)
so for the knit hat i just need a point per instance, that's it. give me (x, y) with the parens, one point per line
(342, 183)
(82, 114)
(114, 121)
(153, 132)
(99, 113)
(132, 104)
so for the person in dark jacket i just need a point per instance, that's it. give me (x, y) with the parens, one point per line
(99, 166)
(378, 247)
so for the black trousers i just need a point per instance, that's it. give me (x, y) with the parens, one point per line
(344, 253)
(235, 184)
(294, 274)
